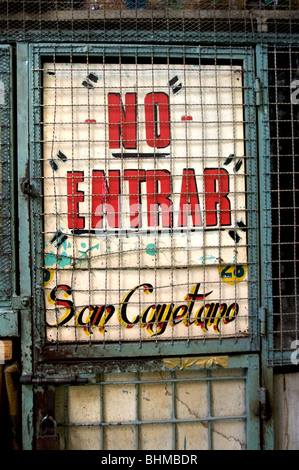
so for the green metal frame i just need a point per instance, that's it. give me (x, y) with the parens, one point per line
(264, 200)
(266, 310)
(26, 325)
(51, 352)
(27, 250)
(40, 359)
(248, 365)
(8, 279)
(271, 356)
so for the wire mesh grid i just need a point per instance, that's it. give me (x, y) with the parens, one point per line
(283, 104)
(128, 21)
(5, 178)
(148, 217)
(140, 19)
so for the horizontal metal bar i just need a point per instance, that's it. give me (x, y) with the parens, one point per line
(158, 421)
(180, 380)
(114, 14)
(30, 379)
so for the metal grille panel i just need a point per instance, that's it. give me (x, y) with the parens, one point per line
(154, 20)
(228, 23)
(149, 198)
(170, 409)
(283, 105)
(5, 178)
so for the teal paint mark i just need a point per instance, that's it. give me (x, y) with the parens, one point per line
(150, 249)
(205, 258)
(50, 259)
(63, 259)
(84, 253)
(64, 245)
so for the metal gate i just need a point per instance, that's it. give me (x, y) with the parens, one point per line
(143, 164)
(147, 151)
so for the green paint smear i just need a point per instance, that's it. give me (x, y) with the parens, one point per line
(151, 249)
(63, 260)
(50, 259)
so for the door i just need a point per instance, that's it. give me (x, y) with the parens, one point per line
(141, 191)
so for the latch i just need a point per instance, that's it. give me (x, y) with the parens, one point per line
(48, 438)
(29, 188)
(42, 380)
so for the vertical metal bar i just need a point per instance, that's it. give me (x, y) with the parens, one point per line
(265, 236)
(174, 426)
(252, 381)
(278, 265)
(36, 223)
(264, 182)
(101, 412)
(66, 416)
(137, 426)
(8, 216)
(294, 202)
(252, 195)
(24, 241)
(209, 399)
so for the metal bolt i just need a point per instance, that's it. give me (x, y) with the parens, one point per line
(25, 301)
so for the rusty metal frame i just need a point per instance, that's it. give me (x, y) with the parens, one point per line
(46, 352)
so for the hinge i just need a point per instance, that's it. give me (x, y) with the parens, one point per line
(21, 303)
(263, 320)
(42, 380)
(265, 411)
(257, 91)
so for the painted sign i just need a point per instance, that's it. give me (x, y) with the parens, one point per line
(144, 202)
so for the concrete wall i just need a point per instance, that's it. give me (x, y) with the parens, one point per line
(286, 411)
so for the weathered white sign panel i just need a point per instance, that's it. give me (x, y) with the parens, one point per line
(144, 202)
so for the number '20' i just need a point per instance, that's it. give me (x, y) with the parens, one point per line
(229, 271)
